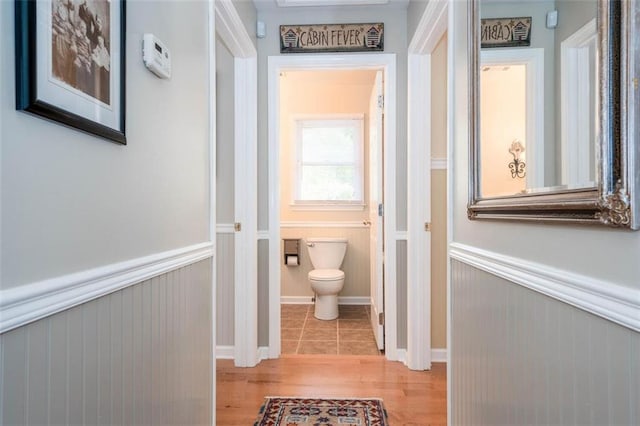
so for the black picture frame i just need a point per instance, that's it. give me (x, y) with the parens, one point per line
(64, 72)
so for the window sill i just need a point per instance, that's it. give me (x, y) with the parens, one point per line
(327, 207)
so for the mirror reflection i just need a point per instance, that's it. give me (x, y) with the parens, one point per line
(538, 96)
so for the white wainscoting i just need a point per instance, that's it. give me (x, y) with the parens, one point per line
(607, 300)
(25, 304)
(140, 355)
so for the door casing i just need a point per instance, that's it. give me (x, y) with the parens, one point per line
(276, 65)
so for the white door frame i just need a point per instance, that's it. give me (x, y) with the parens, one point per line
(431, 28)
(231, 30)
(211, 35)
(576, 91)
(387, 63)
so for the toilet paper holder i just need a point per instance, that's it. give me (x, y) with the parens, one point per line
(291, 251)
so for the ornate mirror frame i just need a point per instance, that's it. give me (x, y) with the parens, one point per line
(613, 201)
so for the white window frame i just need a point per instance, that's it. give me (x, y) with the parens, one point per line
(298, 123)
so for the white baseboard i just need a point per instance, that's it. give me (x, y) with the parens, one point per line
(224, 352)
(605, 299)
(227, 352)
(438, 355)
(25, 304)
(342, 300)
(263, 353)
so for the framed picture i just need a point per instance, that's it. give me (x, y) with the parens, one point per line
(70, 63)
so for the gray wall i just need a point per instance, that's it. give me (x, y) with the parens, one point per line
(522, 358)
(225, 115)
(603, 254)
(137, 356)
(415, 10)
(225, 289)
(71, 201)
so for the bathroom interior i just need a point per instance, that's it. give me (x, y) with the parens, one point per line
(324, 191)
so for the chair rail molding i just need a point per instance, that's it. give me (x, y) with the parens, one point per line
(28, 303)
(605, 299)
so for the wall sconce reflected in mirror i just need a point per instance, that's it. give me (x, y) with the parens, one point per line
(517, 166)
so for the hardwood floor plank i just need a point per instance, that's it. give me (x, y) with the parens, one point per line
(411, 398)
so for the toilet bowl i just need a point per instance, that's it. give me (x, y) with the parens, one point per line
(326, 280)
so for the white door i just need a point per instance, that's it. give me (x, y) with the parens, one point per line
(375, 205)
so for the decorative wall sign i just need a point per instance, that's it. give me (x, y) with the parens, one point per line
(506, 32)
(331, 38)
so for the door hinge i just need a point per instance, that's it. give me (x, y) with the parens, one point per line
(380, 210)
(381, 318)
(237, 226)
(427, 226)
(380, 101)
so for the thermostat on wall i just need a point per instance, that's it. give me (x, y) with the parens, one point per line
(156, 56)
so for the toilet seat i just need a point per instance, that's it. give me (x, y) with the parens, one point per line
(326, 274)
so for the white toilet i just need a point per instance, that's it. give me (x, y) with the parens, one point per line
(326, 279)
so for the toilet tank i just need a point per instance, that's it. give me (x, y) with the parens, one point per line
(326, 253)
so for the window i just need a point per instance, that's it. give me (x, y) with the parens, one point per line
(329, 162)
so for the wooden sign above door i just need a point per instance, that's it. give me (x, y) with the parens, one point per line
(331, 38)
(506, 32)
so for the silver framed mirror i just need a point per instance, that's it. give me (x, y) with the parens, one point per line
(552, 94)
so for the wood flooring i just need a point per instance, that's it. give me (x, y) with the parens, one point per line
(411, 398)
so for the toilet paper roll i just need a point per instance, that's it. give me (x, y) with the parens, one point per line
(292, 260)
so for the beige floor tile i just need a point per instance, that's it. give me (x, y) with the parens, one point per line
(353, 315)
(316, 323)
(358, 348)
(318, 347)
(295, 308)
(319, 334)
(289, 346)
(291, 333)
(292, 322)
(360, 324)
(355, 335)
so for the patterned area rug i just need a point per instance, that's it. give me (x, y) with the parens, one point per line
(321, 412)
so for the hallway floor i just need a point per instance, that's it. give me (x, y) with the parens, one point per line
(350, 334)
(410, 397)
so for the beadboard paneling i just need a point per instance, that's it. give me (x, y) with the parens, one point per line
(355, 264)
(141, 355)
(263, 293)
(401, 292)
(522, 358)
(225, 293)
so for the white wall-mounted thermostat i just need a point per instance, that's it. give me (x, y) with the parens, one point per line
(156, 56)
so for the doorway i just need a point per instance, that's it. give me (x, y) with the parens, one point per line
(290, 67)
(331, 125)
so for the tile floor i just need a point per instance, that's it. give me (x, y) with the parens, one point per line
(350, 334)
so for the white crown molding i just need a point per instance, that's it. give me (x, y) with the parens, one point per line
(24, 304)
(605, 299)
(323, 224)
(438, 164)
